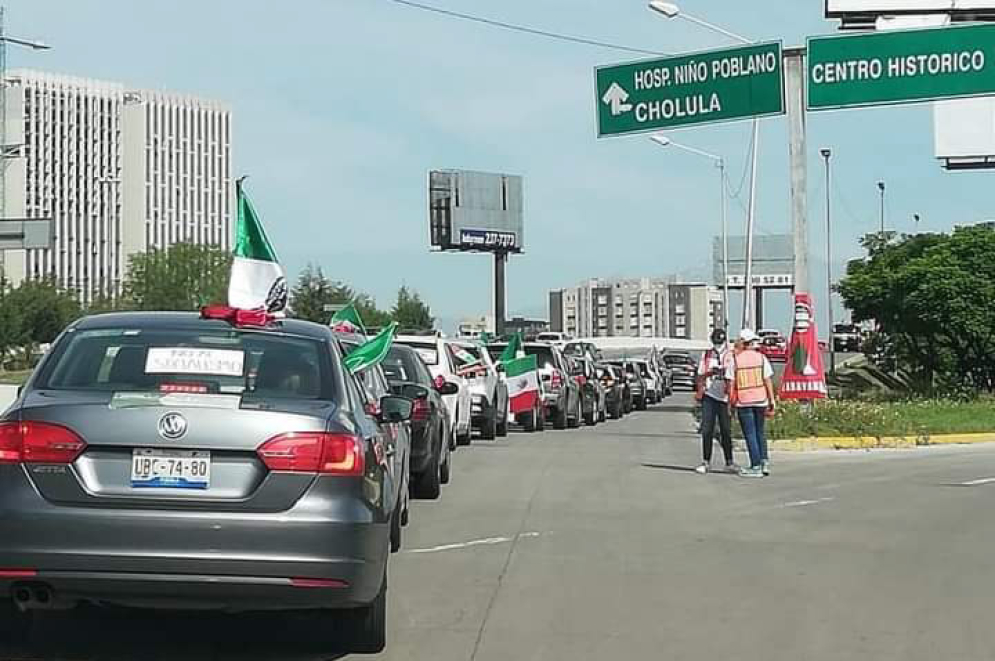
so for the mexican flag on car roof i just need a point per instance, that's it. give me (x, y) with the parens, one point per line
(522, 377)
(257, 280)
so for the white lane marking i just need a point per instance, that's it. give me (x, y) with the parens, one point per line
(803, 503)
(974, 483)
(488, 541)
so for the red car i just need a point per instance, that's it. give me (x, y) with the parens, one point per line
(775, 348)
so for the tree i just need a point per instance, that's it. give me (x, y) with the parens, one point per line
(410, 312)
(45, 310)
(930, 296)
(184, 276)
(373, 317)
(313, 292)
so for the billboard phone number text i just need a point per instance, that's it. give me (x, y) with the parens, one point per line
(487, 239)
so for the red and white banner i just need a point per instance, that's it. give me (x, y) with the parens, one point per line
(804, 376)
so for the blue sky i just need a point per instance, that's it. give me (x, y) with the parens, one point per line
(342, 106)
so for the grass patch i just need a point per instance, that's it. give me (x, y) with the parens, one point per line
(14, 377)
(909, 419)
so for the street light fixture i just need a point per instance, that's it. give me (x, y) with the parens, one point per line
(34, 45)
(826, 155)
(671, 10)
(720, 163)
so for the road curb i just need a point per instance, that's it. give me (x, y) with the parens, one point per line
(869, 442)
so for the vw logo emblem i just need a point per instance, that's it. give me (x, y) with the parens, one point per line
(172, 426)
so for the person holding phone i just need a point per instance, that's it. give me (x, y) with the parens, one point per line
(751, 394)
(713, 395)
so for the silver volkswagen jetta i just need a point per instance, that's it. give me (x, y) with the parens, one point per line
(165, 460)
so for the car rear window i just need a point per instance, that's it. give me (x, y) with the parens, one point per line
(544, 356)
(191, 361)
(428, 352)
(644, 370)
(402, 366)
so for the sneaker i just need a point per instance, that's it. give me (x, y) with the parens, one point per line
(732, 467)
(765, 468)
(702, 468)
(751, 472)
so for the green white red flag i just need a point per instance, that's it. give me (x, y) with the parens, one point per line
(257, 280)
(522, 378)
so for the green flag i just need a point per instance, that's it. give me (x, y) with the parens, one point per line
(511, 351)
(257, 279)
(372, 352)
(349, 316)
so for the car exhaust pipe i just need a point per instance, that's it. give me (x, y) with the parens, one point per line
(22, 596)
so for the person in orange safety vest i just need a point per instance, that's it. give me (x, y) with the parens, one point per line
(751, 395)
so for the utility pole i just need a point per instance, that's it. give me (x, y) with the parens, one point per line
(750, 222)
(794, 90)
(826, 154)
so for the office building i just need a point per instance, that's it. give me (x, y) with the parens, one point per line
(116, 172)
(639, 307)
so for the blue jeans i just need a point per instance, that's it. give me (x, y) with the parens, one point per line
(753, 420)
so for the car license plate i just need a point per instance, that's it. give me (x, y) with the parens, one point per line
(170, 469)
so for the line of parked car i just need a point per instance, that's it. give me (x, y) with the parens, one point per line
(166, 460)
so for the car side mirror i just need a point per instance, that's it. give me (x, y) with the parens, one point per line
(394, 408)
(448, 388)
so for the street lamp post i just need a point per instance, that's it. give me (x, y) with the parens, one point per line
(881, 190)
(671, 10)
(826, 155)
(720, 163)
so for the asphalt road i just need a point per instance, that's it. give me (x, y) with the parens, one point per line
(601, 543)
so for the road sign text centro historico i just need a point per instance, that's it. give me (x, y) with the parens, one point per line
(722, 85)
(903, 66)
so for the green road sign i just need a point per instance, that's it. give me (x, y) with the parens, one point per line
(901, 67)
(713, 86)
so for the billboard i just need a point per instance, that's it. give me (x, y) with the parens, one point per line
(964, 133)
(773, 261)
(862, 14)
(475, 211)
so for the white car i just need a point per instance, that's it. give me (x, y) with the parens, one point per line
(488, 391)
(438, 354)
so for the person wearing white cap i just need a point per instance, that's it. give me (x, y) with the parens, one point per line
(751, 394)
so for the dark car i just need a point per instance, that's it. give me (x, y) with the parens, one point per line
(846, 337)
(162, 460)
(592, 394)
(560, 392)
(683, 368)
(430, 447)
(374, 385)
(615, 389)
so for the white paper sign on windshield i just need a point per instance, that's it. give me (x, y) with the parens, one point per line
(186, 360)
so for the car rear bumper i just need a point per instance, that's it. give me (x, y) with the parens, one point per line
(336, 548)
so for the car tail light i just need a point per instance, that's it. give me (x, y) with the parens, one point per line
(556, 380)
(419, 410)
(38, 443)
(314, 452)
(18, 573)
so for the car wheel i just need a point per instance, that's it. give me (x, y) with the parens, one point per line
(603, 416)
(641, 404)
(560, 418)
(15, 624)
(395, 529)
(574, 422)
(591, 419)
(367, 626)
(616, 411)
(540, 414)
(464, 439)
(502, 424)
(428, 484)
(488, 430)
(445, 471)
(528, 421)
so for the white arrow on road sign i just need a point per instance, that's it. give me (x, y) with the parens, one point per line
(617, 97)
